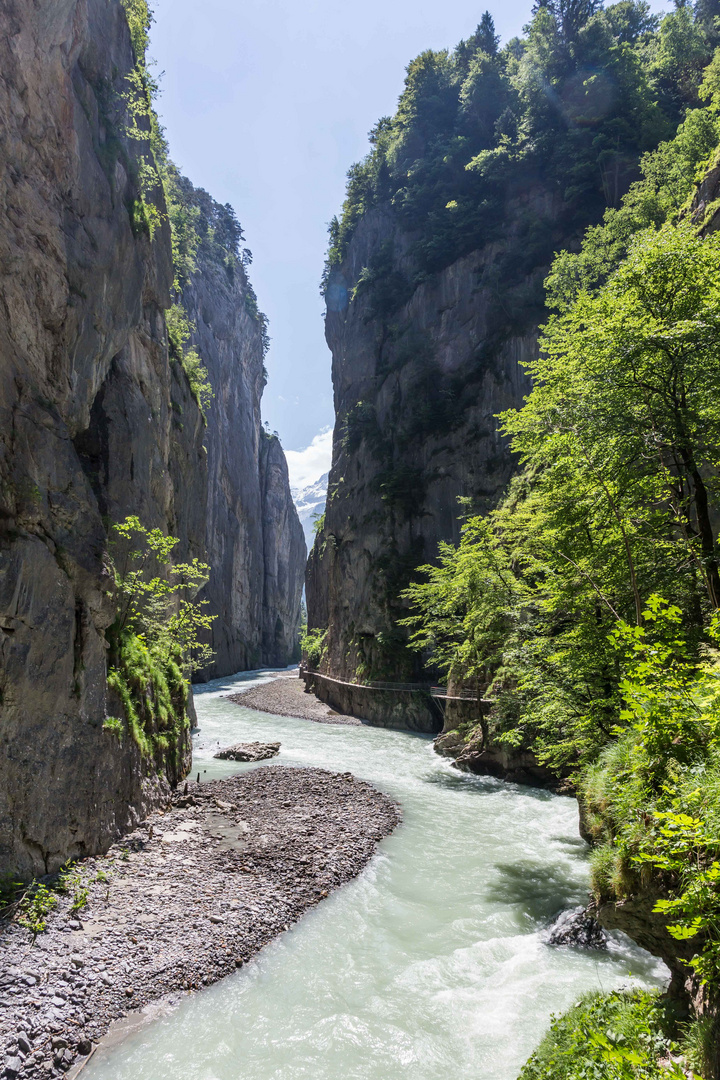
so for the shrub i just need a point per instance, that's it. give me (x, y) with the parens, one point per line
(618, 1036)
(313, 646)
(155, 638)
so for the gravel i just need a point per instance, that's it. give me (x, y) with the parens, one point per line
(286, 696)
(190, 896)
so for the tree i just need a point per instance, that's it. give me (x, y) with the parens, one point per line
(570, 15)
(626, 398)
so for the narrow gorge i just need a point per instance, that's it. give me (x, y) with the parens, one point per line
(440, 799)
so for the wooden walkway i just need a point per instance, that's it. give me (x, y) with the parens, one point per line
(438, 692)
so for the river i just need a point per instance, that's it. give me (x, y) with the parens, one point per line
(431, 965)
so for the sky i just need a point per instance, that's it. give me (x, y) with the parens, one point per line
(266, 104)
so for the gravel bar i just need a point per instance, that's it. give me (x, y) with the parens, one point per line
(286, 696)
(190, 896)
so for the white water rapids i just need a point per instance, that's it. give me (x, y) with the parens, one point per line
(431, 965)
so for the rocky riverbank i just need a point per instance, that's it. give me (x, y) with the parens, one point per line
(189, 896)
(286, 696)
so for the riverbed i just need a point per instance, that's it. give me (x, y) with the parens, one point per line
(431, 964)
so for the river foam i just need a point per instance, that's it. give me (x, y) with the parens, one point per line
(432, 964)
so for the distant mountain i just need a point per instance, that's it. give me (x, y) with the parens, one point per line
(310, 501)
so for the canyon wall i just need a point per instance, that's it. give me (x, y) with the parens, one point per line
(96, 423)
(254, 539)
(417, 392)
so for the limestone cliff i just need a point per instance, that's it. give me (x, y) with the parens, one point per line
(252, 530)
(495, 158)
(96, 423)
(417, 391)
(86, 423)
(284, 558)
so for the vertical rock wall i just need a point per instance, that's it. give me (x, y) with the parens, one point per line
(418, 387)
(254, 538)
(96, 423)
(86, 425)
(284, 556)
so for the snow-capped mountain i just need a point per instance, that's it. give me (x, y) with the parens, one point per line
(309, 502)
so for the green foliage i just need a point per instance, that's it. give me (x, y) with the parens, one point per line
(314, 647)
(140, 19)
(72, 881)
(156, 639)
(318, 523)
(179, 330)
(623, 410)
(360, 423)
(9, 888)
(402, 488)
(618, 1036)
(569, 108)
(35, 906)
(115, 726)
(198, 224)
(653, 798)
(698, 1045)
(669, 175)
(621, 444)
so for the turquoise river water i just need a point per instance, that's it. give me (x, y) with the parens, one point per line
(429, 966)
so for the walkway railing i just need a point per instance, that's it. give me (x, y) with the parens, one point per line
(424, 688)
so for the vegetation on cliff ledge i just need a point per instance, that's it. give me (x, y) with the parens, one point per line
(566, 109)
(618, 1036)
(154, 642)
(599, 117)
(198, 224)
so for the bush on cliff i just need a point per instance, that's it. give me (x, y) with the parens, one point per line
(619, 1036)
(155, 640)
(553, 602)
(313, 647)
(652, 801)
(620, 438)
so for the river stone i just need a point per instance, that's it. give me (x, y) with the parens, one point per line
(576, 928)
(253, 751)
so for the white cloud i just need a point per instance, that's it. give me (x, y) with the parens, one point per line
(308, 465)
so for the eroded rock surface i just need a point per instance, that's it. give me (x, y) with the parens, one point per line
(255, 543)
(417, 392)
(87, 428)
(97, 423)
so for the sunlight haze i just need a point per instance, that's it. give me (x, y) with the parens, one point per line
(266, 106)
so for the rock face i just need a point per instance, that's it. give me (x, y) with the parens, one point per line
(578, 929)
(96, 423)
(284, 555)
(479, 754)
(255, 544)
(86, 421)
(417, 391)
